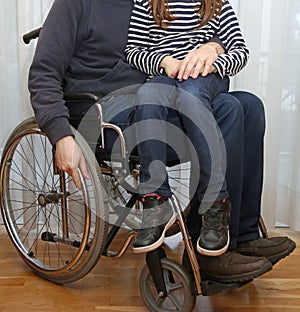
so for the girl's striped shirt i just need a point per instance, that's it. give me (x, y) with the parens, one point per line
(148, 44)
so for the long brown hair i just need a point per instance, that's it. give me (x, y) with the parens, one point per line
(207, 10)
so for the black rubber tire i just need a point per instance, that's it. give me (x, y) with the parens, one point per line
(27, 174)
(179, 294)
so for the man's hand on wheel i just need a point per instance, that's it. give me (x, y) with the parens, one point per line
(69, 158)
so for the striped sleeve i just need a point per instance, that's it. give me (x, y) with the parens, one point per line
(237, 53)
(138, 40)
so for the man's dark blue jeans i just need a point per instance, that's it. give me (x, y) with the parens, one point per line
(241, 119)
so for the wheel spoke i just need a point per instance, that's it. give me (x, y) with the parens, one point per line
(32, 207)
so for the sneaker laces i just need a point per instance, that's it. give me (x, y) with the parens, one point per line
(215, 218)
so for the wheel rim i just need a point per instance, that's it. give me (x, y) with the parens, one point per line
(31, 202)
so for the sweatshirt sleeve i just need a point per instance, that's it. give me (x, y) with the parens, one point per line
(136, 51)
(237, 53)
(56, 43)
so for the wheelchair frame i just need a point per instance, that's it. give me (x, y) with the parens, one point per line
(77, 251)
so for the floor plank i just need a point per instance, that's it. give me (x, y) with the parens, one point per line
(113, 286)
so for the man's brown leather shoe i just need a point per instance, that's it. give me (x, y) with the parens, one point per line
(274, 248)
(230, 267)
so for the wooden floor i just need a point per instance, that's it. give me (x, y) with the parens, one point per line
(113, 286)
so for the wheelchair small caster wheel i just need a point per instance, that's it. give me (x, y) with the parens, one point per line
(179, 296)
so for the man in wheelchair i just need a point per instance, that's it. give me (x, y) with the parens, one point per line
(81, 49)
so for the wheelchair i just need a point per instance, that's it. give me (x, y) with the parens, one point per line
(61, 231)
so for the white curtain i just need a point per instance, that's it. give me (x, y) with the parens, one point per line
(16, 18)
(272, 31)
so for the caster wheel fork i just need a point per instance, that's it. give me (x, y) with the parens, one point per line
(178, 295)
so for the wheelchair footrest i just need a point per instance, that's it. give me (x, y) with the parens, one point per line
(209, 288)
(52, 237)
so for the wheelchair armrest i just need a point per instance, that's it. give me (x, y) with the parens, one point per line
(81, 97)
(79, 104)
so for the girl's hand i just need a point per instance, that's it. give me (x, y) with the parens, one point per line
(200, 61)
(171, 66)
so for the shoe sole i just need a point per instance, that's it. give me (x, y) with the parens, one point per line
(159, 242)
(212, 253)
(239, 278)
(274, 259)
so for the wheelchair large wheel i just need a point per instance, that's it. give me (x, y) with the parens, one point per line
(58, 230)
(179, 295)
